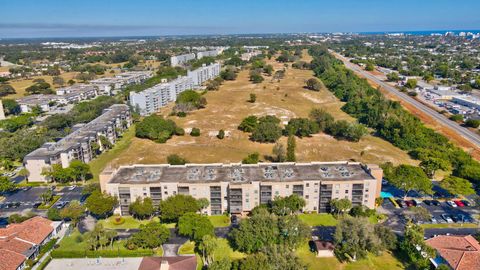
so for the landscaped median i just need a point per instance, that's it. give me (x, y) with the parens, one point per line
(449, 225)
(44, 206)
(128, 222)
(76, 246)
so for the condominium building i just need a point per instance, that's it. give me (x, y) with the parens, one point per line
(110, 85)
(152, 99)
(204, 73)
(77, 93)
(44, 102)
(238, 188)
(211, 53)
(182, 59)
(78, 145)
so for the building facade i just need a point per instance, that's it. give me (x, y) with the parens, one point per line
(182, 59)
(152, 99)
(79, 145)
(238, 188)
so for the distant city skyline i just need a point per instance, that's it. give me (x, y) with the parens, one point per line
(88, 18)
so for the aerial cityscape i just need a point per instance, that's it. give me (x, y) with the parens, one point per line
(252, 135)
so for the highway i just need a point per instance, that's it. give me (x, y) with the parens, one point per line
(462, 131)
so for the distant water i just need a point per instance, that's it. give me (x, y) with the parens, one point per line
(421, 33)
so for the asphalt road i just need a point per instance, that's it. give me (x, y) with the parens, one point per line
(462, 131)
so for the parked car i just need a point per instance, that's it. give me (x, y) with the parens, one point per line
(409, 203)
(417, 202)
(427, 202)
(460, 218)
(435, 202)
(466, 203)
(433, 220)
(61, 205)
(71, 187)
(459, 203)
(36, 205)
(447, 218)
(234, 220)
(451, 204)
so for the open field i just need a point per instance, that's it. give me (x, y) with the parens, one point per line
(227, 107)
(384, 261)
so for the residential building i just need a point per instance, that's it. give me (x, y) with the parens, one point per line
(248, 55)
(204, 73)
(179, 60)
(238, 188)
(467, 101)
(111, 85)
(152, 99)
(77, 93)
(79, 144)
(458, 252)
(45, 102)
(211, 53)
(21, 242)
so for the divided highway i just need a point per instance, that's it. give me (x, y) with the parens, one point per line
(462, 131)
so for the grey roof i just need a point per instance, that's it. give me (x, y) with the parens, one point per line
(149, 174)
(82, 134)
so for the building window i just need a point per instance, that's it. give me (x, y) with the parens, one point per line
(307, 185)
(255, 191)
(315, 208)
(337, 186)
(366, 190)
(166, 192)
(287, 186)
(276, 192)
(174, 192)
(366, 195)
(337, 191)
(144, 194)
(316, 184)
(346, 191)
(306, 196)
(247, 200)
(165, 187)
(316, 191)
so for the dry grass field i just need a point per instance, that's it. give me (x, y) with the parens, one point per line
(227, 107)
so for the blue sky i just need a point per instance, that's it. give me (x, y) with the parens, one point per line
(68, 18)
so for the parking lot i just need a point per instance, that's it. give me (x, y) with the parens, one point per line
(441, 206)
(27, 199)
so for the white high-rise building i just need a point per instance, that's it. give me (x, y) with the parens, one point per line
(179, 60)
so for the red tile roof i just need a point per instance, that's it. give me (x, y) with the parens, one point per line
(323, 245)
(10, 260)
(33, 230)
(174, 263)
(15, 245)
(461, 252)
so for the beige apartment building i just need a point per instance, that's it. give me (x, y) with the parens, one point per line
(238, 188)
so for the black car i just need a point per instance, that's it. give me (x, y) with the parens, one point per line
(234, 220)
(466, 203)
(427, 202)
(435, 202)
(36, 205)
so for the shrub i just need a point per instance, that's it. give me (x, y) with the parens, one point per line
(195, 132)
(221, 134)
(472, 123)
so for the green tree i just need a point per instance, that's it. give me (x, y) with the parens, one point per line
(151, 235)
(195, 132)
(387, 236)
(252, 158)
(221, 134)
(314, 84)
(175, 159)
(6, 185)
(172, 208)
(266, 131)
(291, 145)
(194, 226)
(302, 127)
(411, 83)
(100, 204)
(207, 246)
(252, 98)
(354, 238)
(369, 67)
(473, 123)
(408, 178)
(79, 171)
(431, 164)
(142, 208)
(414, 240)
(191, 98)
(73, 212)
(54, 214)
(249, 124)
(393, 77)
(282, 206)
(24, 173)
(279, 153)
(323, 118)
(155, 128)
(457, 186)
(340, 206)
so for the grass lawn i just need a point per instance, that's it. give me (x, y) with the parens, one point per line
(75, 246)
(318, 219)
(223, 250)
(286, 99)
(219, 221)
(52, 202)
(187, 248)
(130, 223)
(385, 261)
(98, 164)
(451, 225)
